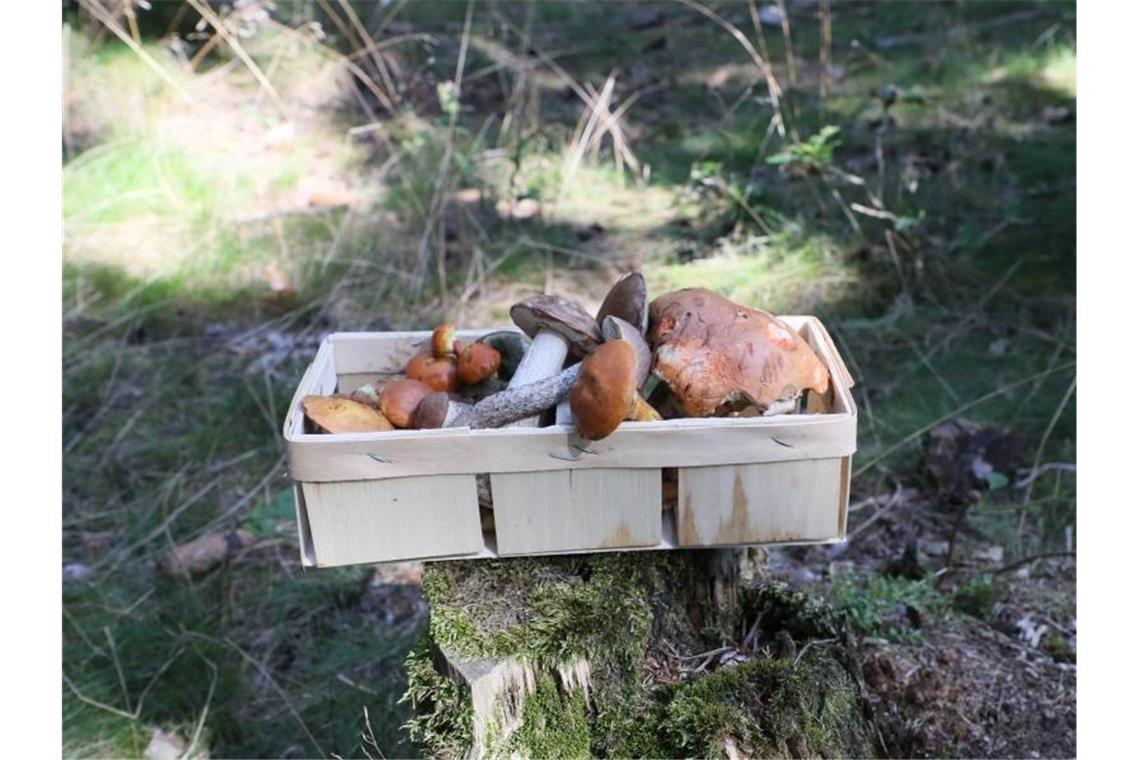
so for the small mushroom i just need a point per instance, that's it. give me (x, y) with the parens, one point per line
(440, 373)
(557, 327)
(719, 356)
(605, 392)
(502, 408)
(398, 400)
(443, 340)
(339, 414)
(511, 345)
(616, 328)
(438, 410)
(627, 300)
(477, 362)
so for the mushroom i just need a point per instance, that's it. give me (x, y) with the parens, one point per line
(399, 399)
(557, 327)
(340, 414)
(443, 340)
(605, 392)
(615, 328)
(511, 345)
(440, 373)
(627, 299)
(438, 410)
(717, 356)
(477, 362)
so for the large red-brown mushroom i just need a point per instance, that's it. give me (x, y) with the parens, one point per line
(718, 356)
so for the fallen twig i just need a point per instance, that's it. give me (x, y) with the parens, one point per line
(1033, 558)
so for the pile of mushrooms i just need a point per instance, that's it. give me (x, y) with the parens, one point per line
(689, 353)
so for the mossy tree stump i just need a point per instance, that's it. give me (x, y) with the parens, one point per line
(653, 654)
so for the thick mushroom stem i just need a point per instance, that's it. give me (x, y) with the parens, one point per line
(497, 410)
(544, 358)
(558, 327)
(562, 413)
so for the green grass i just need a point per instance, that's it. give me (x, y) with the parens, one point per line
(175, 214)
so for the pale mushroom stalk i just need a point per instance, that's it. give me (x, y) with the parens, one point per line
(562, 414)
(558, 327)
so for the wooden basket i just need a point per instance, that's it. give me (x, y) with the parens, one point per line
(411, 494)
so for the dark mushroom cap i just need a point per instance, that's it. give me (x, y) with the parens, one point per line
(561, 315)
(712, 352)
(399, 399)
(628, 300)
(431, 412)
(616, 328)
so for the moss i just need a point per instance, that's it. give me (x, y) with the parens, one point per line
(555, 724)
(768, 707)
(443, 717)
(797, 696)
(550, 610)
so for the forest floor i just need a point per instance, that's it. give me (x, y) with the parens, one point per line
(918, 194)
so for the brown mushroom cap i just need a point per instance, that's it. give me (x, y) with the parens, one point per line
(713, 352)
(605, 392)
(628, 300)
(438, 373)
(399, 399)
(563, 316)
(443, 340)
(478, 362)
(337, 414)
(616, 328)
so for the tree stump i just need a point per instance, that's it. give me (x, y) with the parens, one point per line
(646, 654)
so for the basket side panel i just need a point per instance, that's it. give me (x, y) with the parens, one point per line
(759, 503)
(396, 519)
(568, 510)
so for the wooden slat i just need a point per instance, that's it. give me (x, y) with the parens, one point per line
(758, 503)
(844, 496)
(576, 510)
(402, 518)
(669, 443)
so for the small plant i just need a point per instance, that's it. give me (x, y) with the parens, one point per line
(892, 608)
(813, 154)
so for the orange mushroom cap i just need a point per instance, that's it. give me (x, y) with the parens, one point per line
(443, 340)
(399, 399)
(337, 414)
(438, 373)
(477, 363)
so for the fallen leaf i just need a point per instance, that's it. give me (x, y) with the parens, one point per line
(202, 555)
